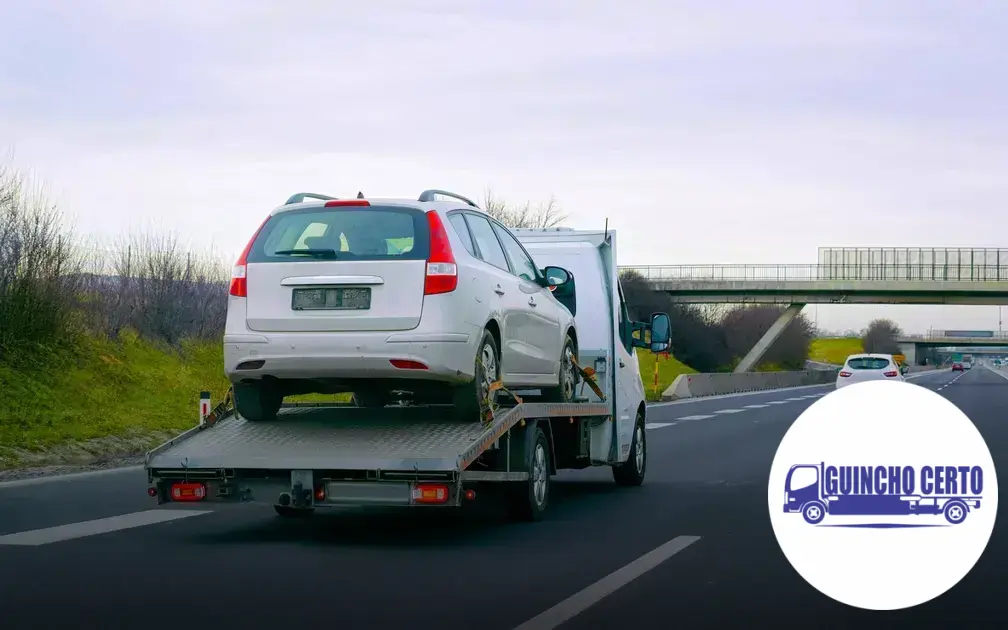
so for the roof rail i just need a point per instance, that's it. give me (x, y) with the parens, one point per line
(428, 195)
(299, 197)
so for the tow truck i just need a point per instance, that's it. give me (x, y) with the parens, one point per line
(325, 455)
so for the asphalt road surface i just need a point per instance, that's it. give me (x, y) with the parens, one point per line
(120, 563)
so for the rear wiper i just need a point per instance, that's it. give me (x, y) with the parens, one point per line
(316, 253)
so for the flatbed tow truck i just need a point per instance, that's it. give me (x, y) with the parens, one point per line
(317, 455)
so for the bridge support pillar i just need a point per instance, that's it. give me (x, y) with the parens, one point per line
(909, 350)
(750, 360)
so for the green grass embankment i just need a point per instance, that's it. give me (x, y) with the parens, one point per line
(108, 399)
(834, 350)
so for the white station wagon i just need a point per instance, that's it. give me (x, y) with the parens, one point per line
(382, 296)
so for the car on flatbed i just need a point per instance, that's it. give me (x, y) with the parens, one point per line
(314, 455)
(427, 298)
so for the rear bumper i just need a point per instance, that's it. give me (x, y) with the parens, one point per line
(449, 357)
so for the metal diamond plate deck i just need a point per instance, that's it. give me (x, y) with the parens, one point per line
(317, 438)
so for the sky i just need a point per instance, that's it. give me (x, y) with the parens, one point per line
(704, 132)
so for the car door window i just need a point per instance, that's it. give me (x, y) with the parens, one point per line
(458, 222)
(486, 241)
(520, 260)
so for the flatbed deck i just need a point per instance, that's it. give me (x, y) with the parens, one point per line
(313, 437)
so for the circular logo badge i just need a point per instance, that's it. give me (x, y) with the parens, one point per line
(883, 495)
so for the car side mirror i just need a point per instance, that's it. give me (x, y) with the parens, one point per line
(556, 276)
(661, 332)
(904, 368)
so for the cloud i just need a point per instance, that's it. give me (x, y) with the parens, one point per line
(706, 132)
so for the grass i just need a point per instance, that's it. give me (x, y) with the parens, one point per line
(668, 369)
(109, 399)
(834, 350)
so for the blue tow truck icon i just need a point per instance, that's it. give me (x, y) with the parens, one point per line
(815, 490)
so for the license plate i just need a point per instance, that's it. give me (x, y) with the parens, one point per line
(355, 299)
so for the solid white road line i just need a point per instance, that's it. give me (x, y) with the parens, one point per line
(581, 601)
(83, 529)
(33, 481)
(765, 392)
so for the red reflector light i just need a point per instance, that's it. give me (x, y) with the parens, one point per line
(404, 364)
(336, 203)
(845, 374)
(188, 492)
(442, 273)
(891, 373)
(320, 493)
(430, 493)
(152, 492)
(470, 495)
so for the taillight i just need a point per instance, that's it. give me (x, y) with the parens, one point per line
(239, 283)
(430, 493)
(845, 374)
(891, 373)
(442, 273)
(337, 203)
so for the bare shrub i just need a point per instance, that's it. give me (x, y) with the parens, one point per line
(544, 215)
(40, 270)
(880, 336)
(164, 291)
(744, 326)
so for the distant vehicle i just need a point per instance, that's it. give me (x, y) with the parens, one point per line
(427, 297)
(957, 366)
(868, 367)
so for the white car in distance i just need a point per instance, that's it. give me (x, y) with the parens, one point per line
(373, 297)
(869, 367)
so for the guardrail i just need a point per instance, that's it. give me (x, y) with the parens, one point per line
(719, 383)
(824, 272)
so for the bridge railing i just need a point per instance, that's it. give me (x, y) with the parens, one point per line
(940, 336)
(825, 272)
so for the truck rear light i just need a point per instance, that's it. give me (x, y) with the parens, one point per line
(406, 364)
(891, 373)
(337, 203)
(239, 283)
(188, 492)
(320, 493)
(442, 272)
(152, 491)
(430, 493)
(845, 374)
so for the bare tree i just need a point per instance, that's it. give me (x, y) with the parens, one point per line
(696, 341)
(744, 326)
(544, 215)
(40, 271)
(880, 336)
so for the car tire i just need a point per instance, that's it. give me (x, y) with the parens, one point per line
(370, 399)
(467, 399)
(257, 401)
(529, 499)
(566, 389)
(631, 472)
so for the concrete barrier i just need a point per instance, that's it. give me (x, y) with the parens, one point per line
(713, 384)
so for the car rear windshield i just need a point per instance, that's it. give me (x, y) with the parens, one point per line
(348, 233)
(868, 363)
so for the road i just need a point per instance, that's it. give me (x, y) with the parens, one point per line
(242, 566)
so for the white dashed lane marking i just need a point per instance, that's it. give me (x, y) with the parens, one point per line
(59, 533)
(756, 406)
(697, 417)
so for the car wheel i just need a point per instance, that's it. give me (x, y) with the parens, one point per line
(370, 399)
(257, 401)
(468, 399)
(632, 471)
(531, 498)
(566, 387)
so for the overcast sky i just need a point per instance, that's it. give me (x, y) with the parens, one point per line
(706, 132)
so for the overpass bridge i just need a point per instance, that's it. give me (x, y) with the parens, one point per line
(977, 342)
(858, 275)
